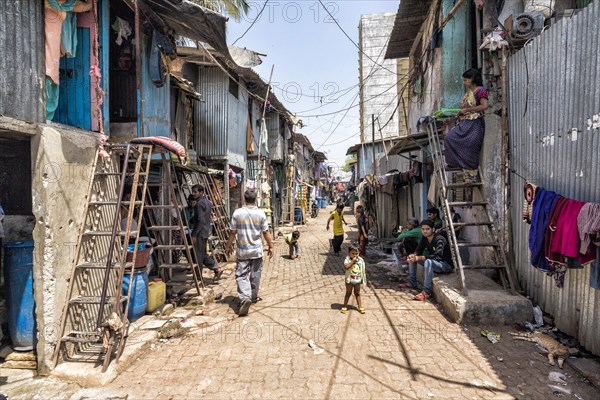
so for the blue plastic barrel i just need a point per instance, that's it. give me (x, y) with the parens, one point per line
(138, 300)
(18, 278)
(298, 214)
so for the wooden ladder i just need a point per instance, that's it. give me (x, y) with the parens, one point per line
(94, 319)
(164, 218)
(485, 220)
(289, 204)
(220, 217)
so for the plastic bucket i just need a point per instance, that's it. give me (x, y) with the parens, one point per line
(18, 278)
(138, 299)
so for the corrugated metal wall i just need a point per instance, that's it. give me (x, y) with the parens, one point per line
(275, 128)
(22, 60)
(210, 116)
(237, 129)
(156, 101)
(554, 92)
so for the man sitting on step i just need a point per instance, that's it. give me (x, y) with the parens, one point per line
(433, 214)
(438, 259)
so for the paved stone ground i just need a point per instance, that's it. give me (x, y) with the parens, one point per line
(399, 349)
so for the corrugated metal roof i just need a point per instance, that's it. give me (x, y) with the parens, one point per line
(553, 95)
(353, 149)
(22, 61)
(410, 17)
(190, 20)
(409, 143)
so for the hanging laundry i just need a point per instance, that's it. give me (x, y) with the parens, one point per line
(415, 172)
(564, 239)
(595, 270)
(555, 269)
(529, 193)
(55, 14)
(542, 206)
(250, 184)
(123, 29)
(388, 187)
(588, 223)
(158, 62)
(68, 36)
(265, 188)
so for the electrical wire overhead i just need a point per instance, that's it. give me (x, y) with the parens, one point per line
(353, 42)
(253, 22)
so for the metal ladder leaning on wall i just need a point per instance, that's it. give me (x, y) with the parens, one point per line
(170, 203)
(94, 319)
(220, 217)
(500, 261)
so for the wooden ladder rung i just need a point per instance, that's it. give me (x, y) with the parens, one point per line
(93, 300)
(468, 203)
(461, 224)
(481, 244)
(114, 203)
(165, 228)
(177, 266)
(115, 266)
(463, 185)
(171, 247)
(108, 233)
(491, 266)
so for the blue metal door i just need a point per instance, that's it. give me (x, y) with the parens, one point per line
(74, 102)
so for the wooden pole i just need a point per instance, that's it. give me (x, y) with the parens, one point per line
(138, 70)
(373, 142)
(261, 162)
(451, 14)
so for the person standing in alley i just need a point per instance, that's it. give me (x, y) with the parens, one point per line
(354, 278)
(363, 230)
(338, 229)
(249, 224)
(202, 227)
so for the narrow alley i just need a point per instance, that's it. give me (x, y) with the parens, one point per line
(155, 155)
(399, 348)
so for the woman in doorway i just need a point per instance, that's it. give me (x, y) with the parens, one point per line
(462, 144)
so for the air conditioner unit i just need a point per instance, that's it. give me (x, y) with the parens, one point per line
(527, 25)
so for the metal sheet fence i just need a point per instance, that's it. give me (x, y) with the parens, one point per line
(22, 60)
(554, 101)
(210, 116)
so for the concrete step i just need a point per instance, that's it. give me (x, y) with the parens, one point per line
(487, 302)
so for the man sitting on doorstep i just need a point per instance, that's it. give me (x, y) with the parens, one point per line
(433, 214)
(409, 237)
(438, 259)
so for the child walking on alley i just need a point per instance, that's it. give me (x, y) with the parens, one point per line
(355, 277)
(338, 229)
(292, 240)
